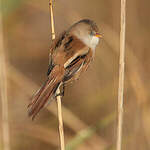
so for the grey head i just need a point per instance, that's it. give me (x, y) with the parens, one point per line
(87, 31)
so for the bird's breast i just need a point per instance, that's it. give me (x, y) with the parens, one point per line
(91, 41)
(94, 42)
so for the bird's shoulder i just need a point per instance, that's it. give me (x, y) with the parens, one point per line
(65, 49)
(66, 42)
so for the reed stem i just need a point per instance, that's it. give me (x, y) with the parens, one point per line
(121, 74)
(58, 99)
(3, 89)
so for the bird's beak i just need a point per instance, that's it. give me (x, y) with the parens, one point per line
(98, 35)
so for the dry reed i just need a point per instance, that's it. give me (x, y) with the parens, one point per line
(61, 130)
(3, 90)
(71, 120)
(121, 75)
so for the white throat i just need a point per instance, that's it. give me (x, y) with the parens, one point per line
(94, 42)
(90, 41)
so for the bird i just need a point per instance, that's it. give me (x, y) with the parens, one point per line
(70, 55)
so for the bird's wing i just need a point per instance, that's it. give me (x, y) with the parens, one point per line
(67, 48)
(69, 52)
(54, 45)
(77, 66)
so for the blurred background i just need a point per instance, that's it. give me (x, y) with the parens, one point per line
(89, 114)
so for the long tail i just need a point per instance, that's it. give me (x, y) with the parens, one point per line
(41, 97)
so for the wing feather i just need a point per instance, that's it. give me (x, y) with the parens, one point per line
(69, 52)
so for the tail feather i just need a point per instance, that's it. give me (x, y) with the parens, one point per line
(37, 94)
(45, 92)
(40, 104)
(38, 98)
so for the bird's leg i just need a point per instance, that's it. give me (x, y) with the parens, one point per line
(62, 91)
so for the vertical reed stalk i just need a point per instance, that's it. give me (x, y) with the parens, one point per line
(3, 89)
(121, 74)
(61, 130)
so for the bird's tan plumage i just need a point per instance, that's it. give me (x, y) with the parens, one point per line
(69, 57)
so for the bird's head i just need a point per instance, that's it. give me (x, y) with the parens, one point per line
(87, 31)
